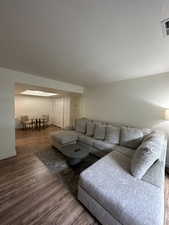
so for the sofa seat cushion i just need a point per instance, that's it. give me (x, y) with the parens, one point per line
(86, 140)
(65, 136)
(128, 152)
(129, 200)
(103, 145)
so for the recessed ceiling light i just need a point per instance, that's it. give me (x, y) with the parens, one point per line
(38, 93)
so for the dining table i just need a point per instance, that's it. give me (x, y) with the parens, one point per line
(38, 122)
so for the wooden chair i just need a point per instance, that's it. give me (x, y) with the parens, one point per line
(41, 123)
(45, 119)
(26, 122)
(33, 123)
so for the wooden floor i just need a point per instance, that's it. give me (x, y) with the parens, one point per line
(30, 194)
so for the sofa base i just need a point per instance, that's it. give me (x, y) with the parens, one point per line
(103, 216)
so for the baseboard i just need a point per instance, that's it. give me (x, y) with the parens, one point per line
(7, 155)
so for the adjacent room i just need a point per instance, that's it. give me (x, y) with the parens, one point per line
(84, 118)
(38, 107)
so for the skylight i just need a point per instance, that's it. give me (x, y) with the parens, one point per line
(38, 93)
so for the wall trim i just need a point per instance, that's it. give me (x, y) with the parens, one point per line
(7, 155)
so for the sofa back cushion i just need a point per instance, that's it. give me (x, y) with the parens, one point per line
(131, 137)
(90, 129)
(100, 132)
(146, 155)
(80, 125)
(112, 134)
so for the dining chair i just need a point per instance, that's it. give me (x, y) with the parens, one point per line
(45, 120)
(26, 122)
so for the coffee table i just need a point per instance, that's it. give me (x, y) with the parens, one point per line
(75, 153)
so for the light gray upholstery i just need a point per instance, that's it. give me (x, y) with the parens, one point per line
(112, 134)
(146, 154)
(157, 134)
(107, 188)
(80, 125)
(64, 137)
(86, 140)
(96, 209)
(128, 152)
(90, 129)
(100, 132)
(103, 145)
(128, 200)
(131, 137)
(155, 174)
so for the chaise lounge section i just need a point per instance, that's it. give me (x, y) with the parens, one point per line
(114, 196)
(126, 186)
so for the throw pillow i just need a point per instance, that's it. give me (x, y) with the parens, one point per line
(146, 155)
(112, 134)
(80, 126)
(90, 129)
(131, 137)
(100, 132)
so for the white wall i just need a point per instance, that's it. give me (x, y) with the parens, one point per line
(7, 123)
(33, 107)
(138, 102)
(8, 78)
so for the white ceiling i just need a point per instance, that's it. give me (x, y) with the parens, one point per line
(86, 42)
(19, 88)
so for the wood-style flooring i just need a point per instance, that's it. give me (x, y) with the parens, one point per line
(31, 195)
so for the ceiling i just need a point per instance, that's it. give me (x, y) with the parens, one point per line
(86, 42)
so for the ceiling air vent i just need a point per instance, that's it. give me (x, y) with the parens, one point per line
(165, 27)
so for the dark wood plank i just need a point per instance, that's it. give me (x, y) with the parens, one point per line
(30, 194)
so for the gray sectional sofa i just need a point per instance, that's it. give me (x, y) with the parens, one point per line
(126, 186)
